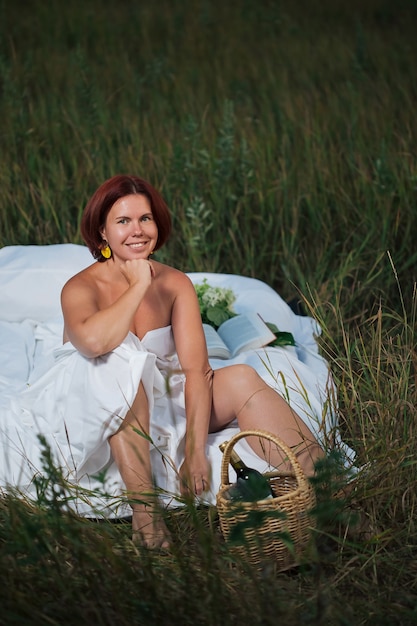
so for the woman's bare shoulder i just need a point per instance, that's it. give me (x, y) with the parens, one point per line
(173, 278)
(86, 279)
(168, 272)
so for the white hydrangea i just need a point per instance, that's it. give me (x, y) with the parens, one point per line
(218, 295)
(215, 303)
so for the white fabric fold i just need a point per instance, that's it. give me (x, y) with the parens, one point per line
(80, 403)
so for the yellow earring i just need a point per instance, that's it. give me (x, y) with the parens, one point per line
(106, 251)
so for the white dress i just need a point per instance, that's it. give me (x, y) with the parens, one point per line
(79, 403)
(76, 406)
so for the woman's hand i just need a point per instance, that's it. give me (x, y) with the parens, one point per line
(195, 475)
(138, 271)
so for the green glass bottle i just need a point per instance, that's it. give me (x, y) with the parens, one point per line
(251, 485)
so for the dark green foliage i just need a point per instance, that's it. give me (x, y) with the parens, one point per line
(283, 136)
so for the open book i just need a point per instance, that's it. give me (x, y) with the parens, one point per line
(246, 331)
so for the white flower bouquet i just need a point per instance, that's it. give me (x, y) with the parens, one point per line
(216, 303)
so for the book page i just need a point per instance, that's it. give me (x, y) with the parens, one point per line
(245, 332)
(215, 345)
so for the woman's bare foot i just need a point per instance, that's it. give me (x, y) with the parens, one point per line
(149, 529)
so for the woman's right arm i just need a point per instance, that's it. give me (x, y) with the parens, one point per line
(95, 331)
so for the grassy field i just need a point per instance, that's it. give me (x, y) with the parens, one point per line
(283, 136)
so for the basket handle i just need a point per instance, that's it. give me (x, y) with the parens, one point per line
(298, 472)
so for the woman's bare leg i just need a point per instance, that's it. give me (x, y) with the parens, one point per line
(131, 453)
(238, 391)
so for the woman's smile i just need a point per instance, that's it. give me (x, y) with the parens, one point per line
(130, 225)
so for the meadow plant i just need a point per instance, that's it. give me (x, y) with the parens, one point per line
(283, 137)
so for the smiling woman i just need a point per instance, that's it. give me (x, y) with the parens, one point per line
(117, 188)
(130, 228)
(135, 355)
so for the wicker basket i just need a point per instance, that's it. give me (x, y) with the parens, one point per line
(274, 530)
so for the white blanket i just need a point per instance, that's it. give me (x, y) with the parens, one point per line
(31, 325)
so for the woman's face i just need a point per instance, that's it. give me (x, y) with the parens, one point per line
(130, 228)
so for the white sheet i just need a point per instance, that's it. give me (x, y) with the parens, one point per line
(31, 279)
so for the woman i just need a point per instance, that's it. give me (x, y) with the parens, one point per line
(126, 296)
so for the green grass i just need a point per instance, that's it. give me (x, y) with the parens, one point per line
(283, 136)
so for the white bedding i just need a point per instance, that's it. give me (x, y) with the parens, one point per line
(31, 279)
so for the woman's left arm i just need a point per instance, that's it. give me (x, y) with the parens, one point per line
(192, 353)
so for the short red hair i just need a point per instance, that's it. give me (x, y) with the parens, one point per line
(100, 203)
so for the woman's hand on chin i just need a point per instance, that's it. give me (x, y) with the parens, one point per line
(138, 271)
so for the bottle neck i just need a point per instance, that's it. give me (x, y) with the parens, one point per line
(236, 462)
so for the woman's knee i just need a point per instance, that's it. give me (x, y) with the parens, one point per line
(231, 387)
(238, 383)
(247, 379)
